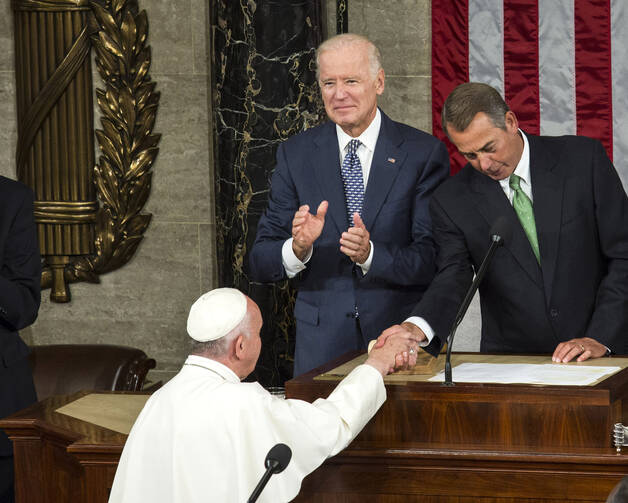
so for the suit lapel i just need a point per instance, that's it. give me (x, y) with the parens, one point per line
(492, 203)
(388, 159)
(547, 191)
(326, 164)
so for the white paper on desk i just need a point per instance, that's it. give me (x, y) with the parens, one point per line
(508, 373)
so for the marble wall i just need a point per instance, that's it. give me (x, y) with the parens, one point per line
(402, 32)
(145, 303)
(265, 90)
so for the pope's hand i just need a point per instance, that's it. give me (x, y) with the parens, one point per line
(412, 335)
(394, 352)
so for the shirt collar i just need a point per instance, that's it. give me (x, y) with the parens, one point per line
(368, 138)
(213, 366)
(523, 166)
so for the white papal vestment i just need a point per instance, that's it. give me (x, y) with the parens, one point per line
(204, 436)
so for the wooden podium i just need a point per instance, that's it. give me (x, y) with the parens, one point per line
(486, 443)
(476, 442)
(59, 458)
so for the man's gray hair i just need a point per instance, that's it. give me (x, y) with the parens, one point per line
(469, 99)
(220, 347)
(348, 39)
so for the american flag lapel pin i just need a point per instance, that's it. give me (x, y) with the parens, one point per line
(391, 159)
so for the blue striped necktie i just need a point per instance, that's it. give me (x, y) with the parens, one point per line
(351, 170)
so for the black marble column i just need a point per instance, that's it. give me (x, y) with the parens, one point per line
(342, 16)
(264, 90)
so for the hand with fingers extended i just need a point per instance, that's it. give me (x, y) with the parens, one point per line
(355, 242)
(306, 228)
(408, 332)
(581, 348)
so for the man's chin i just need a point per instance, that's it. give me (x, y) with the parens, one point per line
(343, 120)
(498, 174)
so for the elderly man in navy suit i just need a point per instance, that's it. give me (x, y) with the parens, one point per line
(348, 211)
(559, 285)
(20, 272)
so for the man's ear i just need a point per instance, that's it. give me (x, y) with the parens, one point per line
(511, 122)
(379, 82)
(239, 347)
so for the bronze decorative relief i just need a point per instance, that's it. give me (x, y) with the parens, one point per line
(89, 218)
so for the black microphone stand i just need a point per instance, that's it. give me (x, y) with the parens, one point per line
(270, 470)
(496, 242)
(276, 461)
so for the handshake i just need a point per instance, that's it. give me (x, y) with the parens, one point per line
(395, 349)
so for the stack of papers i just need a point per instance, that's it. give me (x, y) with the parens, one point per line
(509, 373)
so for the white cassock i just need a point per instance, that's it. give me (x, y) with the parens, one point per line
(204, 436)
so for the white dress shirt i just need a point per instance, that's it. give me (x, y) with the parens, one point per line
(368, 140)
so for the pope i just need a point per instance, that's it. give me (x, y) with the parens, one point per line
(205, 434)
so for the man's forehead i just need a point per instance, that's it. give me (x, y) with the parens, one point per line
(478, 134)
(344, 54)
(473, 143)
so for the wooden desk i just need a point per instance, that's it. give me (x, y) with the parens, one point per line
(61, 459)
(476, 442)
(470, 443)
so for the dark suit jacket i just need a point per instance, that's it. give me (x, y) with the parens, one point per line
(407, 166)
(20, 272)
(581, 287)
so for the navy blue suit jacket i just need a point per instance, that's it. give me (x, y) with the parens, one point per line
(20, 271)
(580, 288)
(407, 166)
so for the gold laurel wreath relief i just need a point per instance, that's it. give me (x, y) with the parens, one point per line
(128, 107)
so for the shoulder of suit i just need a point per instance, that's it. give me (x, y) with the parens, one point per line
(410, 133)
(458, 184)
(559, 143)
(12, 187)
(310, 134)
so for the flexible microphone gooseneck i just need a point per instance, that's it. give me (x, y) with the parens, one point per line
(498, 233)
(276, 461)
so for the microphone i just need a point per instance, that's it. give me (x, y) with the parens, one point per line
(500, 232)
(276, 461)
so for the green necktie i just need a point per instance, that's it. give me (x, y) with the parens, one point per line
(523, 207)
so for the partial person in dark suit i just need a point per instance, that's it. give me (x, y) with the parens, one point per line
(20, 271)
(349, 219)
(559, 285)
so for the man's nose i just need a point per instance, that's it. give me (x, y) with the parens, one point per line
(340, 91)
(485, 161)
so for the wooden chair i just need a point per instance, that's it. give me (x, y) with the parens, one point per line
(61, 369)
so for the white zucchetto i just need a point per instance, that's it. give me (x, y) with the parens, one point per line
(216, 313)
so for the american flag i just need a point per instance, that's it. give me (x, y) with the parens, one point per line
(560, 64)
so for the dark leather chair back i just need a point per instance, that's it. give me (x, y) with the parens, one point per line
(61, 369)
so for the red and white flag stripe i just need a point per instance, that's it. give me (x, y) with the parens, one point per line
(560, 64)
